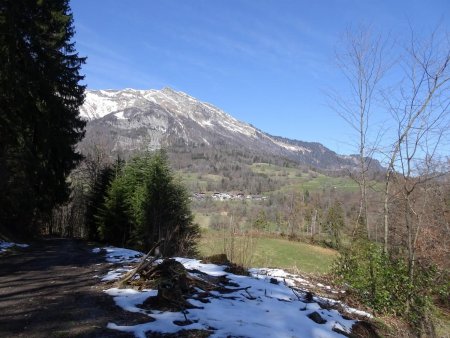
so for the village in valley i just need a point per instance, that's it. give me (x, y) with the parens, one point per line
(226, 196)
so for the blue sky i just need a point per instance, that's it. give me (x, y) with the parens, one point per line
(266, 62)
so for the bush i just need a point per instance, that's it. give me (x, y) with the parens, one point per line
(383, 283)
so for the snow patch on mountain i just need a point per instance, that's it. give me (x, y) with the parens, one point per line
(292, 147)
(133, 120)
(99, 103)
(120, 116)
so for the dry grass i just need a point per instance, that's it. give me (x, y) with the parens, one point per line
(271, 252)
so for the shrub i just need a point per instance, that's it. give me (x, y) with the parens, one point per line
(384, 284)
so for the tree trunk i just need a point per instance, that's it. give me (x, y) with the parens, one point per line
(386, 212)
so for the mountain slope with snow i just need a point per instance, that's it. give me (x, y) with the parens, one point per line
(130, 120)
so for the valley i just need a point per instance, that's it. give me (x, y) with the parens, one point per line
(259, 201)
(273, 227)
(244, 185)
(224, 169)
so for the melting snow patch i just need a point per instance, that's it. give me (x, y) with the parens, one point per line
(257, 308)
(292, 280)
(115, 274)
(127, 299)
(120, 116)
(271, 311)
(280, 276)
(210, 269)
(4, 246)
(120, 255)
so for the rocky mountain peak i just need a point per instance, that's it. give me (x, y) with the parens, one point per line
(132, 119)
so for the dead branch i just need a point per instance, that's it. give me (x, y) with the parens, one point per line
(144, 264)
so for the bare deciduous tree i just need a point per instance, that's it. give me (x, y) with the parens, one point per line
(363, 62)
(421, 113)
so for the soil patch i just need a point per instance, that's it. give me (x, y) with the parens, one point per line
(51, 289)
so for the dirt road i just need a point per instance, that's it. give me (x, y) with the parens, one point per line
(50, 290)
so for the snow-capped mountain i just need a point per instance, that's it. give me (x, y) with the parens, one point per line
(130, 119)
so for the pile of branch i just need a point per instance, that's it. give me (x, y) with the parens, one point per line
(175, 284)
(147, 261)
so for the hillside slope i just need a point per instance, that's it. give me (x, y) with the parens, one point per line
(133, 120)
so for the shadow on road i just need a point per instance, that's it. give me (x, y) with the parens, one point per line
(51, 290)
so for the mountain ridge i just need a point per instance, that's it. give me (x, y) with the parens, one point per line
(132, 120)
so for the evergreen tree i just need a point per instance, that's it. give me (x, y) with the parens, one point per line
(113, 219)
(96, 200)
(166, 212)
(261, 222)
(39, 99)
(144, 204)
(335, 223)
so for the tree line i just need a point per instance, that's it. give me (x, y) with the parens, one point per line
(129, 204)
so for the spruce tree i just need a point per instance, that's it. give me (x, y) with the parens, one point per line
(145, 204)
(113, 219)
(40, 95)
(96, 200)
(166, 212)
(334, 222)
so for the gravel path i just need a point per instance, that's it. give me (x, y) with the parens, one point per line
(50, 290)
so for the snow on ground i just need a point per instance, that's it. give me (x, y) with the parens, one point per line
(115, 274)
(302, 284)
(269, 306)
(4, 246)
(119, 255)
(279, 275)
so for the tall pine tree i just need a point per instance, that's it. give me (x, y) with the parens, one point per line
(40, 95)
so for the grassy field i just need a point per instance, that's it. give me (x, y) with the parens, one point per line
(275, 252)
(202, 219)
(266, 251)
(297, 179)
(197, 182)
(288, 178)
(277, 171)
